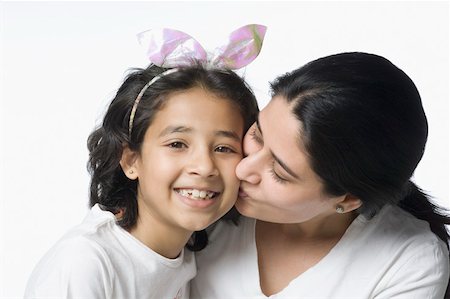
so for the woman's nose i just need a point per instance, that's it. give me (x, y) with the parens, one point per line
(248, 169)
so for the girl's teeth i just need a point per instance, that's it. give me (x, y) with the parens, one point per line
(196, 194)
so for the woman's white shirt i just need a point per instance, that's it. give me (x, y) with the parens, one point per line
(393, 255)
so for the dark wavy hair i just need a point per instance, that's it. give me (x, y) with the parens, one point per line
(109, 186)
(364, 129)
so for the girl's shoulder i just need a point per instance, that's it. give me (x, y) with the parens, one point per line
(76, 264)
(78, 261)
(84, 243)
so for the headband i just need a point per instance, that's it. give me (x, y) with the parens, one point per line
(169, 48)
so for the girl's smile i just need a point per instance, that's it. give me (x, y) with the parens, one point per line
(198, 198)
(186, 166)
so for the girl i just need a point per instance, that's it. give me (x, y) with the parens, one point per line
(327, 177)
(163, 168)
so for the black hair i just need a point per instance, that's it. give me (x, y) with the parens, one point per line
(109, 186)
(364, 129)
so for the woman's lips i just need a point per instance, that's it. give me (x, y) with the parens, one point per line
(242, 193)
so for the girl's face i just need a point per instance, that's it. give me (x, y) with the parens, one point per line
(186, 167)
(278, 184)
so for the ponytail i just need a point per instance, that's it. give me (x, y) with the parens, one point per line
(416, 202)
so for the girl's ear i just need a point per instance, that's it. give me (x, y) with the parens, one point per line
(128, 163)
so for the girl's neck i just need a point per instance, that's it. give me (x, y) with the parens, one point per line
(165, 240)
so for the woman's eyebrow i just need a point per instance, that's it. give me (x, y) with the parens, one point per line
(259, 126)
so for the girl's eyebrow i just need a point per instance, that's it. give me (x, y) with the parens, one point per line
(228, 134)
(174, 129)
(279, 161)
(183, 129)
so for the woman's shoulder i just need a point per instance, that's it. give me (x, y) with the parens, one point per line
(395, 237)
(398, 225)
(415, 258)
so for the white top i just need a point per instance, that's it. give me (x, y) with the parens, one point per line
(98, 259)
(393, 255)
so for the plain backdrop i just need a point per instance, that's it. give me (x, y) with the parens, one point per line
(61, 63)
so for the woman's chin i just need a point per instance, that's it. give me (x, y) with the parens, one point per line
(243, 207)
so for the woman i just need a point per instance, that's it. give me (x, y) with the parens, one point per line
(327, 178)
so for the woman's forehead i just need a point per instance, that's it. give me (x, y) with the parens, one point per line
(280, 130)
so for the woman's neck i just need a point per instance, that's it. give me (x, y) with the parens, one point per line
(331, 226)
(285, 251)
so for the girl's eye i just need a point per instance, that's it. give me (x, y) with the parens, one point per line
(224, 149)
(255, 135)
(177, 145)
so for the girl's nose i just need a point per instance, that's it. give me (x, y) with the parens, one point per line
(203, 164)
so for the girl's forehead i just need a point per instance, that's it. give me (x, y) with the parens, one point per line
(197, 107)
(196, 92)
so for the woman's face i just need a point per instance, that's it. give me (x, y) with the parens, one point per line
(278, 184)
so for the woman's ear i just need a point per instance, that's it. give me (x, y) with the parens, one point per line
(349, 203)
(128, 163)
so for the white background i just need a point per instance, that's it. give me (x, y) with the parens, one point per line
(62, 62)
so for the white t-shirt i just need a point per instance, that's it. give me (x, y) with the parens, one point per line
(393, 255)
(99, 259)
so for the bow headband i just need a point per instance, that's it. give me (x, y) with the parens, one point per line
(169, 48)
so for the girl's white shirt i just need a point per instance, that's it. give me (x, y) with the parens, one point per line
(393, 255)
(99, 259)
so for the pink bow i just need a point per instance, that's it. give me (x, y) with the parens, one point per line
(171, 48)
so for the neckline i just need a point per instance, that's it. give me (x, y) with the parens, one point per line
(357, 224)
(130, 240)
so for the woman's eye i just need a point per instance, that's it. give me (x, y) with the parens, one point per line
(177, 144)
(224, 149)
(276, 176)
